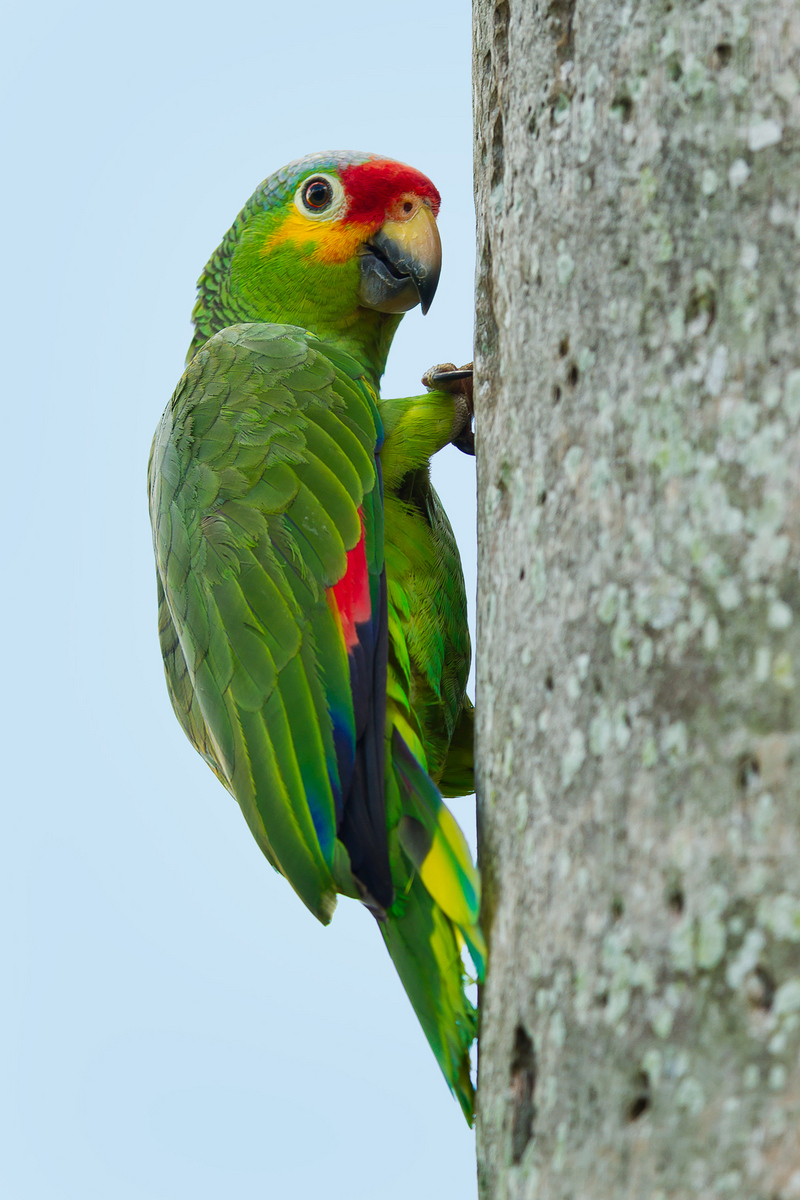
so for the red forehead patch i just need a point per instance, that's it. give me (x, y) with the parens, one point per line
(372, 186)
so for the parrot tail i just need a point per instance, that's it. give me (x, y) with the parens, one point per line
(433, 919)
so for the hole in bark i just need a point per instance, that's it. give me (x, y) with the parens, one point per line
(498, 153)
(624, 106)
(624, 259)
(721, 55)
(548, 681)
(617, 907)
(501, 18)
(641, 1101)
(561, 15)
(760, 988)
(601, 999)
(542, 497)
(573, 374)
(676, 899)
(674, 70)
(598, 685)
(701, 311)
(522, 573)
(563, 346)
(523, 1083)
(748, 772)
(556, 393)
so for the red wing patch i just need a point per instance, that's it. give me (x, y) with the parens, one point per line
(351, 593)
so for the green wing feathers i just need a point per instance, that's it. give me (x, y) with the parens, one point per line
(259, 469)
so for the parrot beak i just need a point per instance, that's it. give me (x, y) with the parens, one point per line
(400, 264)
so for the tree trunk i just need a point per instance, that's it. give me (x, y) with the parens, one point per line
(638, 416)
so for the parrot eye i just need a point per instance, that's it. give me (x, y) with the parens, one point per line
(321, 197)
(317, 194)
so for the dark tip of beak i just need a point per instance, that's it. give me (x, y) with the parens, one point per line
(404, 266)
(427, 290)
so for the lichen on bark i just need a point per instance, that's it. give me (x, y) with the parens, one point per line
(638, 421)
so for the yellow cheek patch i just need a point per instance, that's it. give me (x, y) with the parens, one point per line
(333, 241)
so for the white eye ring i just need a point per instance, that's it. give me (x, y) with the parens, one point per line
(334, 206)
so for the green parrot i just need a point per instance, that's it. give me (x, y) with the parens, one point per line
(311, 605)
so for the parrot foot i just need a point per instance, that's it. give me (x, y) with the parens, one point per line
(447, 377)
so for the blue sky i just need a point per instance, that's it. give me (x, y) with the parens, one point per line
(173, 1023)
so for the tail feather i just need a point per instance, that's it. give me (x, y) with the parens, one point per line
(438, 849)
(433, 918)
(424, 948)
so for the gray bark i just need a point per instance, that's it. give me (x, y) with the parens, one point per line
(638, 418)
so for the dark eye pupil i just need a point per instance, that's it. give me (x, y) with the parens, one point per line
(317, 194)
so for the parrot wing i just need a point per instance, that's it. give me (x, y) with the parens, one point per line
(266, 505)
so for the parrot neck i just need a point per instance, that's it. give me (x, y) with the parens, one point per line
(230, 296)
(368, 339)
(367, 336)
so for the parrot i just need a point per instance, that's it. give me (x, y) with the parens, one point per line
(311, 604)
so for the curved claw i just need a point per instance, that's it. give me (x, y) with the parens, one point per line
(447, 377)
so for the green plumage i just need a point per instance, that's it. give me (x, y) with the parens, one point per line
(312, 614)
(250, 531)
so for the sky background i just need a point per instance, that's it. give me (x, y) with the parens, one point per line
(174, 1025)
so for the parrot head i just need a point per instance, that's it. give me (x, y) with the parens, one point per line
(340, 244)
